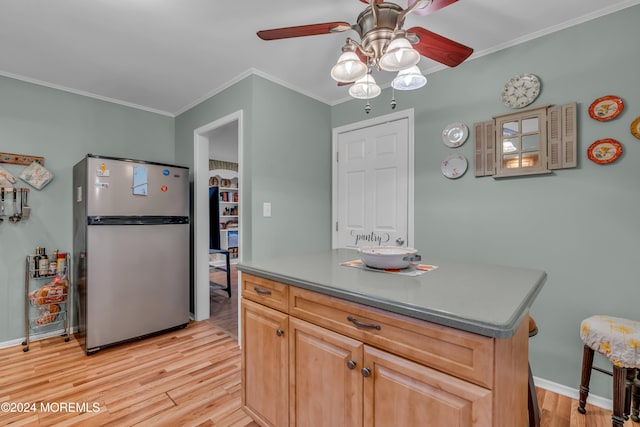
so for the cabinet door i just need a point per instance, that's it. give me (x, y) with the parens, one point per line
(325, 375)
(398, 392)
(265, 364)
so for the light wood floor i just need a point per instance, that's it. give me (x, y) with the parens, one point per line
(223, 311)
(188, 377)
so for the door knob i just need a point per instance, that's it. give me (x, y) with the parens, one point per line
(351, 364)
(280, 332)
(400, 241)
(365, 372)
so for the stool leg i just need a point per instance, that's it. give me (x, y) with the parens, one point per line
(587, 364)
(228, 275)
(534, 409)
(635, 400)
(619, 386)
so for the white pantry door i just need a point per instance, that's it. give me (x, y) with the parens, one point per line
(372, 185)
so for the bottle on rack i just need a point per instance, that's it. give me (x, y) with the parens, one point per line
(36, 263)
(43, 264)
(53, 263)
(61, 264)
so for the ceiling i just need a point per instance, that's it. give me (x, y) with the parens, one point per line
(166, 56)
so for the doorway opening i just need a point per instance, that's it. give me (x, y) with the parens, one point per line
(219, 141)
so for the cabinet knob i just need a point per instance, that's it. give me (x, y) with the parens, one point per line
(351, 364)
(400, 241)
(365, 372)
(280, 332)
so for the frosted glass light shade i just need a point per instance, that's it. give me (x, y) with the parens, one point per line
(365, 88)
(409, 79)
(399, 55)
(349, 68)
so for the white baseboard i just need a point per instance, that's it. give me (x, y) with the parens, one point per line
(573, 393)
(36, 337)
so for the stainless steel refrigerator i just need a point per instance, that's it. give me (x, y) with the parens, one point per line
(130, 248)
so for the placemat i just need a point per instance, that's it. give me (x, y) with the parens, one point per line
(412, 270)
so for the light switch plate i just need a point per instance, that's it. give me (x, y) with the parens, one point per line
(266, 209)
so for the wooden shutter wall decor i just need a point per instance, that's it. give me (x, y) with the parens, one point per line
(484, 148)
(562, 136)
(562, 141)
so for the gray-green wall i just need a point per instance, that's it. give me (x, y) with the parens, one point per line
(580, 225)
(286, 161)
(62, 128)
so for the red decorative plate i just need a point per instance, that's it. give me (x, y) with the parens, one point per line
(606, 108)
(604, 151)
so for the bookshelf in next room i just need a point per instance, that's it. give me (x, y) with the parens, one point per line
(223, 213)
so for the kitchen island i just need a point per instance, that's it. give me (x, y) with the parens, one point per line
(328, 344)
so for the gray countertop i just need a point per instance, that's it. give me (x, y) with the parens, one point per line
(487, 300)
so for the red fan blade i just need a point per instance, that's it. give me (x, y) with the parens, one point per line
(440, 48)
(304, 30)
(434, 6)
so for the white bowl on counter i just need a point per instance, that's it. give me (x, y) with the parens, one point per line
(388, 257)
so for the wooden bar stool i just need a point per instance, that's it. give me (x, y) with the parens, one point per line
(618, 340)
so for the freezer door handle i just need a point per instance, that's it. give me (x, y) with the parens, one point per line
(136, 220)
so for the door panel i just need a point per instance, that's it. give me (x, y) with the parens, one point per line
(403, 393)
(320, 367)
(265, 363)
(110, 189)
(138, 280)
(372, 186)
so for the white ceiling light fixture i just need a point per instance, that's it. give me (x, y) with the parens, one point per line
(399, 55)
(409, 79)
(349, 67)
(365, 88)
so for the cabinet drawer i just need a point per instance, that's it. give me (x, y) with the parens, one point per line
(265, 291)
(461, 354)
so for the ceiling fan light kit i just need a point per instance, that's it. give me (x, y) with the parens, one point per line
(365, 88)
(383, 46)
(349, 68)
(399, 55)
(409, 79)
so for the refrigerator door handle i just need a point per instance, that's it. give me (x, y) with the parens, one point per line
(136, 220)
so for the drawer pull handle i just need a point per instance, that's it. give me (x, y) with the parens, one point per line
(363, 325)
(365, 372)
(351, 364)
(279, 332)
(262, 291)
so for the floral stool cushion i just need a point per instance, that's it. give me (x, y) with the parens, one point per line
(615, 338)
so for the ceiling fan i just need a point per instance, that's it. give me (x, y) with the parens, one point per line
(383, 45)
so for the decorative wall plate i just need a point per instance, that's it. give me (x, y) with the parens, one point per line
(520, 91)
(635, 128)
(604, 151)
(455, 134)
(606, 108)
(454, 166)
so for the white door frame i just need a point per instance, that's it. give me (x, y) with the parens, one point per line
(201, 210)
(408, 114)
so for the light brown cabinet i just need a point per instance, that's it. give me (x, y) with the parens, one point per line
(354, 365)
(265, 364)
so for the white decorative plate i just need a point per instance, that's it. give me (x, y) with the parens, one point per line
(455, 134)
(520, 91)
(454, 166)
